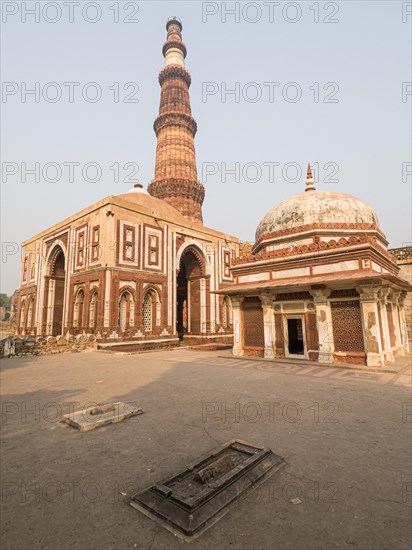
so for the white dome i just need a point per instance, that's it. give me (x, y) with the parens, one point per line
(316, 207)
(138, 188)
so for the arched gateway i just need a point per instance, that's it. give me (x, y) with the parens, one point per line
(55, 287)
(192, 293)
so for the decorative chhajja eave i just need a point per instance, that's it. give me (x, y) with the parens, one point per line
(310, 228)
(289, 253)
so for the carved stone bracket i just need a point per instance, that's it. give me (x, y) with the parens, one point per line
(320, 295)
(368, 292)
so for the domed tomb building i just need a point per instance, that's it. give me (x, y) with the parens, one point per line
(319, 284)
(138, 268)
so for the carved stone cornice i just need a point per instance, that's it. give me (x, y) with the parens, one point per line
(175, 119)
(294, 252)
(175, 71)
(320, 225)
(172, 187)
(174, 44)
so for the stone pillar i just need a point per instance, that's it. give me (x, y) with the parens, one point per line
(386, 344)
(203, 317)
(371, 335)
(324, 324)
(404, 327)
(268, 325)
(394, 297)
(237, 328)
(50, 307)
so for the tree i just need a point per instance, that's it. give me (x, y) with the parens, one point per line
(5, 301)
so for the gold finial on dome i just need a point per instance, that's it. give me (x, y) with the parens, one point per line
(309, 180)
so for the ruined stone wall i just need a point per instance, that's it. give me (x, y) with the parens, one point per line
(37, 345)
(406, 273)
(404, 261)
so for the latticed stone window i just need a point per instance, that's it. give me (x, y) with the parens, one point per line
(347, 326)
(147, 312)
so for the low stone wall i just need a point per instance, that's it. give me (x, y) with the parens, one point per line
(38, 345)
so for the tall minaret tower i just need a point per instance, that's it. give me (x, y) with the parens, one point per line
(175, 178)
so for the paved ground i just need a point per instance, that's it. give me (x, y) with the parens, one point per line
(346, 437)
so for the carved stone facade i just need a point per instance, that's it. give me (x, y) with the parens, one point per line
(137, 270)
(320, 284)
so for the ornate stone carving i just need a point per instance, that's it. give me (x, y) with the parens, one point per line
(236, 300)
(368, 292)
(299, 250)
(320, 295)
(266, 299)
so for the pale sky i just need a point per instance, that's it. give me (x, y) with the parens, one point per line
(352, 117)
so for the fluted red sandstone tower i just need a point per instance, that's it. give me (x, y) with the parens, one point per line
(175, 178)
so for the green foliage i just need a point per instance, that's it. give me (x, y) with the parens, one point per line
(5, 301)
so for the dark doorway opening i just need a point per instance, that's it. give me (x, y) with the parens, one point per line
(181, 321)
(295, 337)
(58, 273)
(191, 270)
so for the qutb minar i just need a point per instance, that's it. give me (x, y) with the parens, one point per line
(176, 174)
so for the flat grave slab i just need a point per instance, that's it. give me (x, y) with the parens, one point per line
(101, 415)
(197, 497)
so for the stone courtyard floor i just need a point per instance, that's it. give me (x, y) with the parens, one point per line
(345, 435)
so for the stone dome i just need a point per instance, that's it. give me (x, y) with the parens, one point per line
(316, 207)
(157, 207)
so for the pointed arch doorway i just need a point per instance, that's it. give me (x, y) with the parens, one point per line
(191, 313)
(55, 292)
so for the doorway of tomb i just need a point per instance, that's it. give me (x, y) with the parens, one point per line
(295, 337)
(57, 285)
(190, 295)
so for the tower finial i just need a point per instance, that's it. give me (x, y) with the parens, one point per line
(174, 50)
(309, 180)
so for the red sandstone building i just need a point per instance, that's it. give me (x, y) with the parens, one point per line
(138, 268)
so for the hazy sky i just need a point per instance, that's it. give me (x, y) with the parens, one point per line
(306, 89)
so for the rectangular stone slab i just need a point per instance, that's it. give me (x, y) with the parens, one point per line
(100, 415)
(197, 497)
